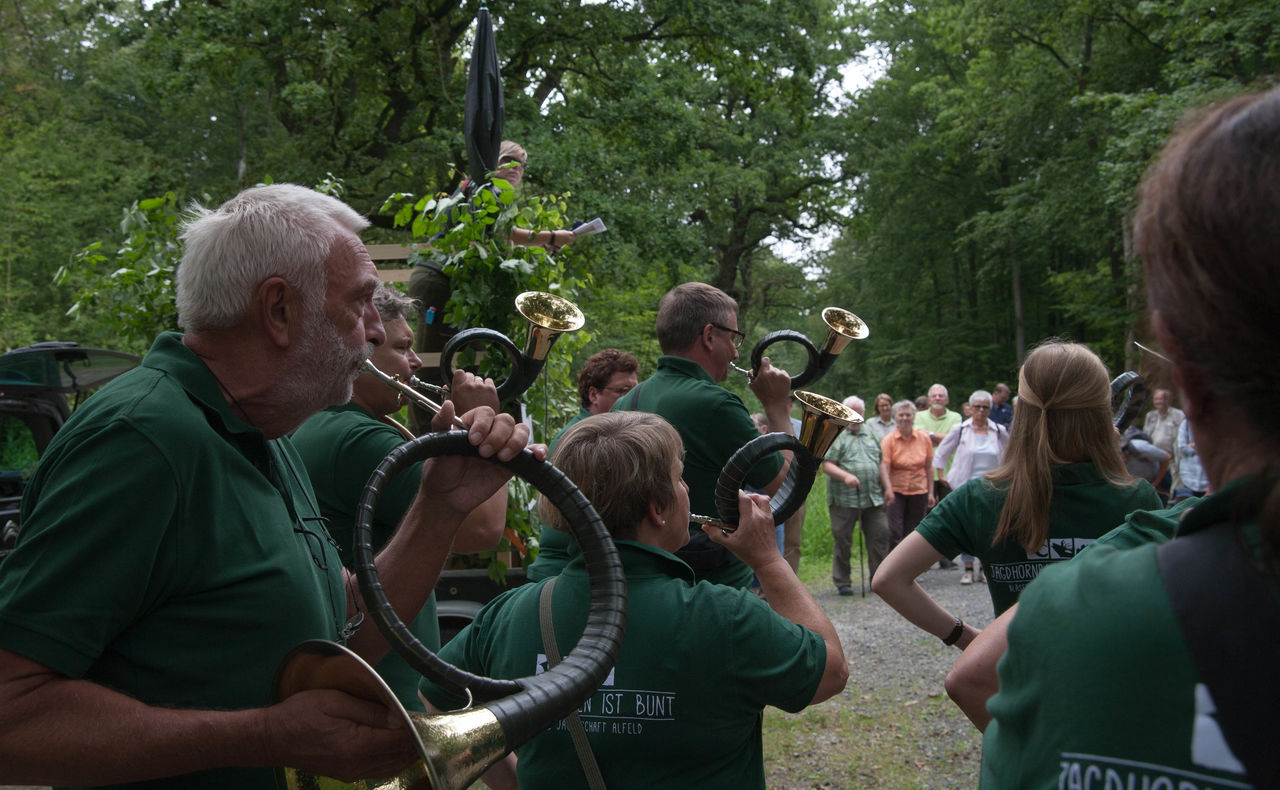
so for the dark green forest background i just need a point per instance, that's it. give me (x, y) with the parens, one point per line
(969, 201)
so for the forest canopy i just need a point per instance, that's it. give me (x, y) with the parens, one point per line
(970, 200)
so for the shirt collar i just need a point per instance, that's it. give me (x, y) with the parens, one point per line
(170, 355)
(642, 560)
(1216, 508)
(685, 366)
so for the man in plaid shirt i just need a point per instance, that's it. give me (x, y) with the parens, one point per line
(855, 493)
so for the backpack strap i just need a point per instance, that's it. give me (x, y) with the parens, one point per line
(1230, 622)
(633, 402)
(576, 731)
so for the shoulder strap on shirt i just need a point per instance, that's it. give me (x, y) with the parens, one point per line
(1231, 624)
(634, 401)
(576, 731)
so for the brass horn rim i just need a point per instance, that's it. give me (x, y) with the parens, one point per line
(558, 314)
(846, 323)
(834, 410)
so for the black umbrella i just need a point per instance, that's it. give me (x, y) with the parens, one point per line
(484, 114)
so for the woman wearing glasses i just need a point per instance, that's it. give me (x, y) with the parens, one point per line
(1062, 484)
(977, 445)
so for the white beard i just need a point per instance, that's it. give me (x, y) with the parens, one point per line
(320, 370)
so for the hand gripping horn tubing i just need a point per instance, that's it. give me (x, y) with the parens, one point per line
(455, 748)
(527, 706)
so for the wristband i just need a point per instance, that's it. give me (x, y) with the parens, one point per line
(955, 634)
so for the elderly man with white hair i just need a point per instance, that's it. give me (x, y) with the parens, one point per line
(172, 548)
(855, 495)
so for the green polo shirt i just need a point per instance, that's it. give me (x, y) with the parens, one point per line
(940, 426)
(1083, 507)
(714, 424)
(340, 447)
(1097, 688)
(683, 706)
(170, 551)
(555, 548)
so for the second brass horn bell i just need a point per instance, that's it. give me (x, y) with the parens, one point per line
(820, 424)
(842, 327)
(549, 316)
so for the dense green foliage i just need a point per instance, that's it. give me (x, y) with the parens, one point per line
(974, 194)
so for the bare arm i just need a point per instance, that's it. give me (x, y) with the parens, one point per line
(754, 543)
(886, 482)
(551, 240)
(772, 386)
(895, 582)
(410, 563)
(833, 470)
(482, 528)
(973, 679)
(55, 730)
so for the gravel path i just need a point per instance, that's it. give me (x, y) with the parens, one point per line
(893, 726)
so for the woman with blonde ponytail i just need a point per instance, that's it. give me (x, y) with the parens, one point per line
(1062, 484)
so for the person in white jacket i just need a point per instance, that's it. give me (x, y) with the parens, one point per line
(977, 445)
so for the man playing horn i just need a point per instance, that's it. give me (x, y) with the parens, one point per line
(172, 549)
(342, 445)
(698, 332)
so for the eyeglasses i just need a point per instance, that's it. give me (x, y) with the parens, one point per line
(316, 541)
(619, 391)
(738, 337)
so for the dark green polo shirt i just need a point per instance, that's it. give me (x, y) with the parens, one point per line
(714, 424)
(1098, 688)
(683, 706)
(170, 551)
(1084, 507)
(340, 447)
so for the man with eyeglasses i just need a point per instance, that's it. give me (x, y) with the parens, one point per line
(172, 550)
(606, 376)
(698, 333)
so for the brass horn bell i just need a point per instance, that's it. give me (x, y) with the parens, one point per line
(842, 328)
(820, 424)
(454, 749)
(549, 316)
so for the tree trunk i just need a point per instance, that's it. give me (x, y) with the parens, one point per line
(1019, 324)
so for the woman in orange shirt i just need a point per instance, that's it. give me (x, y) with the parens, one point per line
(907, 458)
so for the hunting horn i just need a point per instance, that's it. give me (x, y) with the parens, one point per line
(456, 748)
(820, 424)
(842, 327)
(549, 316)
